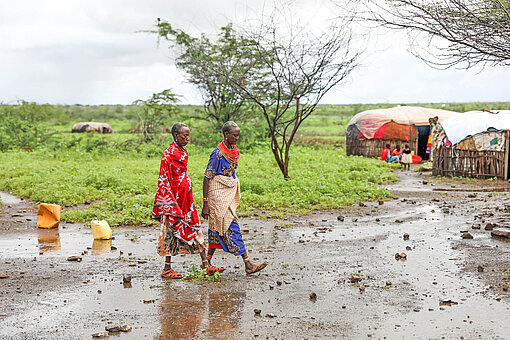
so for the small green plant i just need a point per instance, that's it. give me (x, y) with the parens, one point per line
(507, 273)
(200, 274)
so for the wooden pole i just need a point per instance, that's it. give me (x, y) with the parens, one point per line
(506, 165)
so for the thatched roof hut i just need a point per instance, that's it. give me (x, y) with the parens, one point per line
(475, 144)
(369, 131)
(92, 126)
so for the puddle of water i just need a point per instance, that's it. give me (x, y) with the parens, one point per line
(7, 198)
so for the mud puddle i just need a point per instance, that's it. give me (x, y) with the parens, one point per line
(331, 275)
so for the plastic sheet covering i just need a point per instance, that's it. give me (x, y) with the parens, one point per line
(368, 122)
(474, 122)
(48, 215)
(487, 141)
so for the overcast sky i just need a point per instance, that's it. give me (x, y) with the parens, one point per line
(88, 52)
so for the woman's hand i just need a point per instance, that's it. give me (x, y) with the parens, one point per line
(205, 210)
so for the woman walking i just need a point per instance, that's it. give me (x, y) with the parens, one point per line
(174, 206)
(222, 195)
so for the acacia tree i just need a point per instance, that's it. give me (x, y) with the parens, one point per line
(200, 58)
(287, 72)
(457, 32)
(153, 112)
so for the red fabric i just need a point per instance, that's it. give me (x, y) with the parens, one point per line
(232, 155)
(379, 133)
(174, 197)
(384, 154)
(396, 152)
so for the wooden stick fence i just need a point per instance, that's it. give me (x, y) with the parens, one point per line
(449, 162)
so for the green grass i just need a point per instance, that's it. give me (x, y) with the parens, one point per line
(122, 185)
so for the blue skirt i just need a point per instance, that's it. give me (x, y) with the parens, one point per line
(232, 242)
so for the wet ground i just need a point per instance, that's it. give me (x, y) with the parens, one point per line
(446, 286)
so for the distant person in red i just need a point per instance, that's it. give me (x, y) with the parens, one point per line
(386, 155)
(398, 151)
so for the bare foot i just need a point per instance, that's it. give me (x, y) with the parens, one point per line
(255, 268)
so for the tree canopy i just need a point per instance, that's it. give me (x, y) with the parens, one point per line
(447, 33)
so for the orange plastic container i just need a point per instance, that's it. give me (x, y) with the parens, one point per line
(48, 215)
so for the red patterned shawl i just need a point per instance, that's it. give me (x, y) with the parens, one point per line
(174, 197)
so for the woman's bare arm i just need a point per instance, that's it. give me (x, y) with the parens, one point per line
(205, 193)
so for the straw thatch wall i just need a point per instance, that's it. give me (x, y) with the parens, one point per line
(448, 161)
(374, 147)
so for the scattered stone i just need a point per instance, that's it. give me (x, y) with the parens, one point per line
(301, 241)
(476, 227)
(74, 258)
(279, 283)
(377, 219)
(340, 218)
(406, 236)
(271, 287)
(473, 195)
(467, 236)
(112, 328)
(118, 328)
(355, 278)
(398, 221)
(388, 283)
(148, 300)
(361, 204)
(403, 256)
(257, 312)
(126, 278)
(447, 302)
(480, 269)
(381, 202)
(361, 288)
(100, 335)
(125, 328)
(313, 296)
(270, 315)
(425, 181)
(408, 248)
(501, 232)
(490, 226)
(416, 310)
(3, 276)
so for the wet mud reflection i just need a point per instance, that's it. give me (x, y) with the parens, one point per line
(206, 314)
(48, 239)
(101, 247)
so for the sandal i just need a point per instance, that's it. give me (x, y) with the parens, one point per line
(212, 269)
(171, 274)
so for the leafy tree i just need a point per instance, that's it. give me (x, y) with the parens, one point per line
(155, 111)
(26, 125)
(458, 32)
(201, 57)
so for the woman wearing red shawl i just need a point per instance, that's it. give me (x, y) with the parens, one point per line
(222, 196)
(174, 206)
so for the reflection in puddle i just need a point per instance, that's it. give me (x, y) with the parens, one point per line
(101, 247)
(48, 239)
(213, 314)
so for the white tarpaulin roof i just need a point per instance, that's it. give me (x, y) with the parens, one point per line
(473, 122)
(368, 122)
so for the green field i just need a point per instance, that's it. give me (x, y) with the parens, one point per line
(114, 177)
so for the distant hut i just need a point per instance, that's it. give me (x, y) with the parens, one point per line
(369, 131)
(474, 144)
(92, 126)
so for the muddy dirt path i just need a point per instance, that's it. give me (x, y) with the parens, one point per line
(346, 258)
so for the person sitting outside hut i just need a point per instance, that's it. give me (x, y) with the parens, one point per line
(397, 152)
(386, 155)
